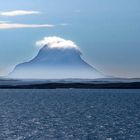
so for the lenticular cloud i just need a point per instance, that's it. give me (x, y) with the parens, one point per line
(57, 42)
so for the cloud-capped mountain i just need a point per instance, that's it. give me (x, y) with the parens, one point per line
(56, 60)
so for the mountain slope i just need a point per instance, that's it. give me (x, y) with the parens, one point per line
(55, 63)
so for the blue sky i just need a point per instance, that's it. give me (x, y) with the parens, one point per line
(106, 31)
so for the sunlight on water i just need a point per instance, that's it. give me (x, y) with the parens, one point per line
(70, 114)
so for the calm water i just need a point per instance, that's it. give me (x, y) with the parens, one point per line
(69, 114)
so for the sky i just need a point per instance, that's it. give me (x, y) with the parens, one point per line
(107, 32)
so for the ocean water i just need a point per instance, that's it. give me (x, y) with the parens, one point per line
(69, 114)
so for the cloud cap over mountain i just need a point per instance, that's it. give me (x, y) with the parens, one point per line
(57, 42)
(57, 59)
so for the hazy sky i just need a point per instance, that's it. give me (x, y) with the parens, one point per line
(107, 31)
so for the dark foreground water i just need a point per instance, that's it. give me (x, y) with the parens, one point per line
(69, 114)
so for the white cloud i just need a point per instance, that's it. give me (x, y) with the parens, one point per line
(64, 24)
(3, 21)
(57, 42)
(17, 25)
(18, 13)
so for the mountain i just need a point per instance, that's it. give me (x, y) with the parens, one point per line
(55, 63)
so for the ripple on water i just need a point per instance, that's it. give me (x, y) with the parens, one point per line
(73, 114)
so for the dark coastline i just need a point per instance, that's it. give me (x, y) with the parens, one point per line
(132, 85)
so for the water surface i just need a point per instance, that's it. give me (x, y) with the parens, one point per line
(69, 114)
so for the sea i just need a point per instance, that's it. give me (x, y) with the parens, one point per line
(69, 114)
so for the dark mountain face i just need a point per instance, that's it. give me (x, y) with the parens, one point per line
(55, 63)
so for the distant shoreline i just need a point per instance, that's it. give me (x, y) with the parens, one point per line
(55, 85)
